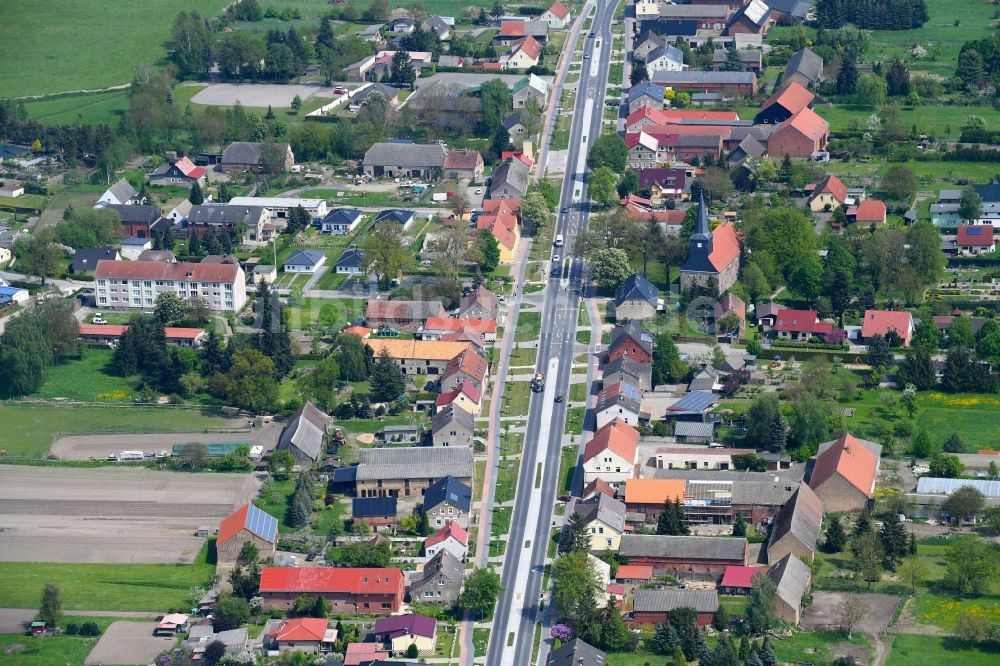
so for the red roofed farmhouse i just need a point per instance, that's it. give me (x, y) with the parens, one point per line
(843, 475)
(349, 590)
(610, 454)
(831, 192)
(463, 163)
(557, 16)
(880, 322)
(714, 260)
(799, 136)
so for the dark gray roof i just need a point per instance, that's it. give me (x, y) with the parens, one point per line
(801, 516)
(305, 433)
(373, 507)
(453, 417)
(225, 215)
(694, 429)
(85, 259)
(699, 141)
(342, 216)
(303, 258)
(513, 173)
(136, 214)
(395, 214)
(804, 62)
(389, 92)
(634, 331)
(755, 11)
(413, 155)
(449, 490)
(751, 147)
(577, 653)
(511, 120)
(791, 576)
(415, 463)
(658, 601)
(647, 88)
(352, 258)
(720, 11)
(637, 287)
(718, 78)
(988, 193)
(626, 366)
(695, 402)
(246, 152)
(437, 25)
(445, 564)
(795, 8)
(669, 51)
(764, 493)
(684, 547)
(608, 510)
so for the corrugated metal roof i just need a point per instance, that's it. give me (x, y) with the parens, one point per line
(655, 601)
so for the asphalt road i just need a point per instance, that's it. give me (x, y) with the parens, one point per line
(518, 608)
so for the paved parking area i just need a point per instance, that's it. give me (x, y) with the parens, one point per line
(128, 643)
(258, 94)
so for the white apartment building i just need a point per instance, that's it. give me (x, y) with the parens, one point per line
(136, 284)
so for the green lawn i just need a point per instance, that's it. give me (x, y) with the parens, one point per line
(971, 416)
(89, 379)
(529, 326)
(578, 392)
(19, 650)
(516, 397)
(944, 611)
(812, 647)
(500, 524)
(480, 639)
(123, 587)
(82, 44)
(941, 120)
(567, 465)
(506, 480)
(574, 420)
(304, 313)
(94, 109)
(28, 430)
(919, 650)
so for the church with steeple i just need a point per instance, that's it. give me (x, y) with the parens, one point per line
(713, 262)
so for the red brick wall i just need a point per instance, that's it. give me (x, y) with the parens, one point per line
(341, 602)
(704, 619)
(790, 141)
(668, 565)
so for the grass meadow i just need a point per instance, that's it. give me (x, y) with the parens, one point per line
(919, 650)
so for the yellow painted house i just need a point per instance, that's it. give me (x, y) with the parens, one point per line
(605, 520)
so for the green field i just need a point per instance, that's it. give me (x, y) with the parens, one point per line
(939, 120)
(92, 109)
(516, 398)
(913, 650)
(48, 651)
(28, 430)
(123, 587)
(52, 46)
(89, 379)
(971, 416)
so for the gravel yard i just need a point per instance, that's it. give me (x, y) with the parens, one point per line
(112, 515)
(258, 94)
(128, 643)
(85, 447)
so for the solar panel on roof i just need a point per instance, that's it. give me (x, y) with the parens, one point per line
(262, 524)
(974, 231)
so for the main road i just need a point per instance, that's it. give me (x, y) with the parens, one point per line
(518, 609)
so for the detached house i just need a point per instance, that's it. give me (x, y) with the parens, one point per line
(621, 401)
(830, 193)
(785, 103)
(451, 537)
(557, 16)
(467, 367)
(844, 472)
(753, 18)
(801, 325)
(179, 172)
(972, 239)
(447, 500)
(637, 299)
(510, 180)
(462, 163)
(632, 341)
(801, 135)
(254, 156)
(441, 580)
(480, 303)
(881, 322)
(530, 87)
(465, 396)
(341, 221)
(404, 159)
(805, 67)
(524, 54)
(452, 426)
(605, 520)
(646, 93)
(667, 58)
(610, 455)
(121, 193)
(361, 591)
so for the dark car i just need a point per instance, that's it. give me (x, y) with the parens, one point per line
(565, 210)
(556, 271)
(559, 398)
(311, 556)
(593, 34)
(564, 498)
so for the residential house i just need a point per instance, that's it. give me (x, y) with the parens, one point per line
(439, 27)
(228, 219)
(304, 634)
(595, 487)
(264, 273)
(179, 212)
(647, 151)
(524, 54)
(505, 229)
(945, 216)
(786, 12)
(828, 194)
(304, 261)
(451, 537)
(647, 42)
(636, 299)
(452, 426)
(419, 357)
(465, 396)
(805, 67)
(452, 61)
(784, 103)
(404, 218)
(731, 304)
(480, 303)
(619, 402)
(696, 457)
(714, 258)
(707, 17)
(179, 172)
(791, 578)
(515, 128)
(646, 10)
(409, 471)
(667, 58)
(634, 574)
(644, 499)
(801, 325)
(645, 94)
(695, 557)
(463, 163)
(972, 239)
(403, 25)
(653, 606)
(557, 16)
(751, 59)
(405, 159)
(516, 29)
(802, 135)
(402, 315)
(376, 511)
(132, 248)
(663, 184)
(399, 632)
(109, 335)
(844, 472)
(362, 95)
(796, 526)
(136, 284)
(305, 434)
(138, 220)
(85, 259)
(739, 580)
(625, 370)
(281, 207)
(466, 368)
(576, 653)
(341, 221)
(120, 194)
(510, 180)
(365, 654)
(753, 18)
(441, 580)
(351, 262)
(881, 322)
(448, 500)
(200, 636)
(248, 524)
(435, 328)
(11, 189)
(870, 212)
(362, 591)
(739, 84)
(530, 87)
(610, 454)
(633, 341)
(254, 156)
(604, 518)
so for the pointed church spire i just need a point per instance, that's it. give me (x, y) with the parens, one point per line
(701, 228)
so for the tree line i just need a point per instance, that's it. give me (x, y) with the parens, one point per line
(872, 14)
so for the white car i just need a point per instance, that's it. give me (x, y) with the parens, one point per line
(479, 190)
(555, 258)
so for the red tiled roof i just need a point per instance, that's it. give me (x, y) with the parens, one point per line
(733, 303)
(512, 28)
(530, 46)
(172, 332)
(468, 362)
(232, 524)
(739, 576)
(314, 580)
(359, 653)
(634, 572)
(676, 116)
(725, 246)
(159, 270)
(501, 206)
(801, 321)
(360, 331)
(657, 116)
(559, 10)
(302, 629)
(872, 210)
(468, 389)
(501, 226)
(618, 437)
(880, 322)
(833, 185)
(452, 324)
(808, 123)
(451, 529)
(188, 168)
(849, 458)
(600, 486)
(794, 97)
(671, 217)
(461, 158)
(969, 235)
(653, 491)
